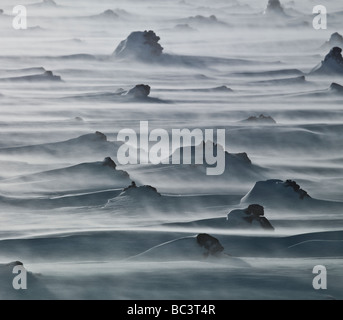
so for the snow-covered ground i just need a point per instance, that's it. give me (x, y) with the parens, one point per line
(86, 226)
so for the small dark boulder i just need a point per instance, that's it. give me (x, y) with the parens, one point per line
(302, 193)
(139, 91)
(211, 244)
(108, 162)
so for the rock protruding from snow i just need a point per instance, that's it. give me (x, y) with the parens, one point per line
(132, 189)
(332, 63)
(141, 45)
(337, 88)
(302, 193)
(109, 14)
(108, 162)
(260, 119)
(336, 40)
(1, 11)
(276, 192)
(46, 76)
(251, 217)
(211, 244)
(274, 7)
(14, 263)
(140, 91)
(99, 135)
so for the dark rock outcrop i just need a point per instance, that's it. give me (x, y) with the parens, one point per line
(260, 119)
(302, 193)
(332, 63)
(142, 45)
(336, 40)
(148, 188)
(337, 88)
(108, 162)
(211, 244)
(139, 91)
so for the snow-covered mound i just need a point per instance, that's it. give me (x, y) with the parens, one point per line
(137, 200)
(215, 89)
(134, 191)
(260, 119)
(271, 73)
(251, 217)
(200, 247)
(316, 248)
(46, 76)
(23, 71)
(85, 176)
(281, 82)
(140, 45)
(336, 40)
(196, 154)
(183, 27)
(332, 63)
(236, 165)
(88, 147)
(144, 46)
(276, 192)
